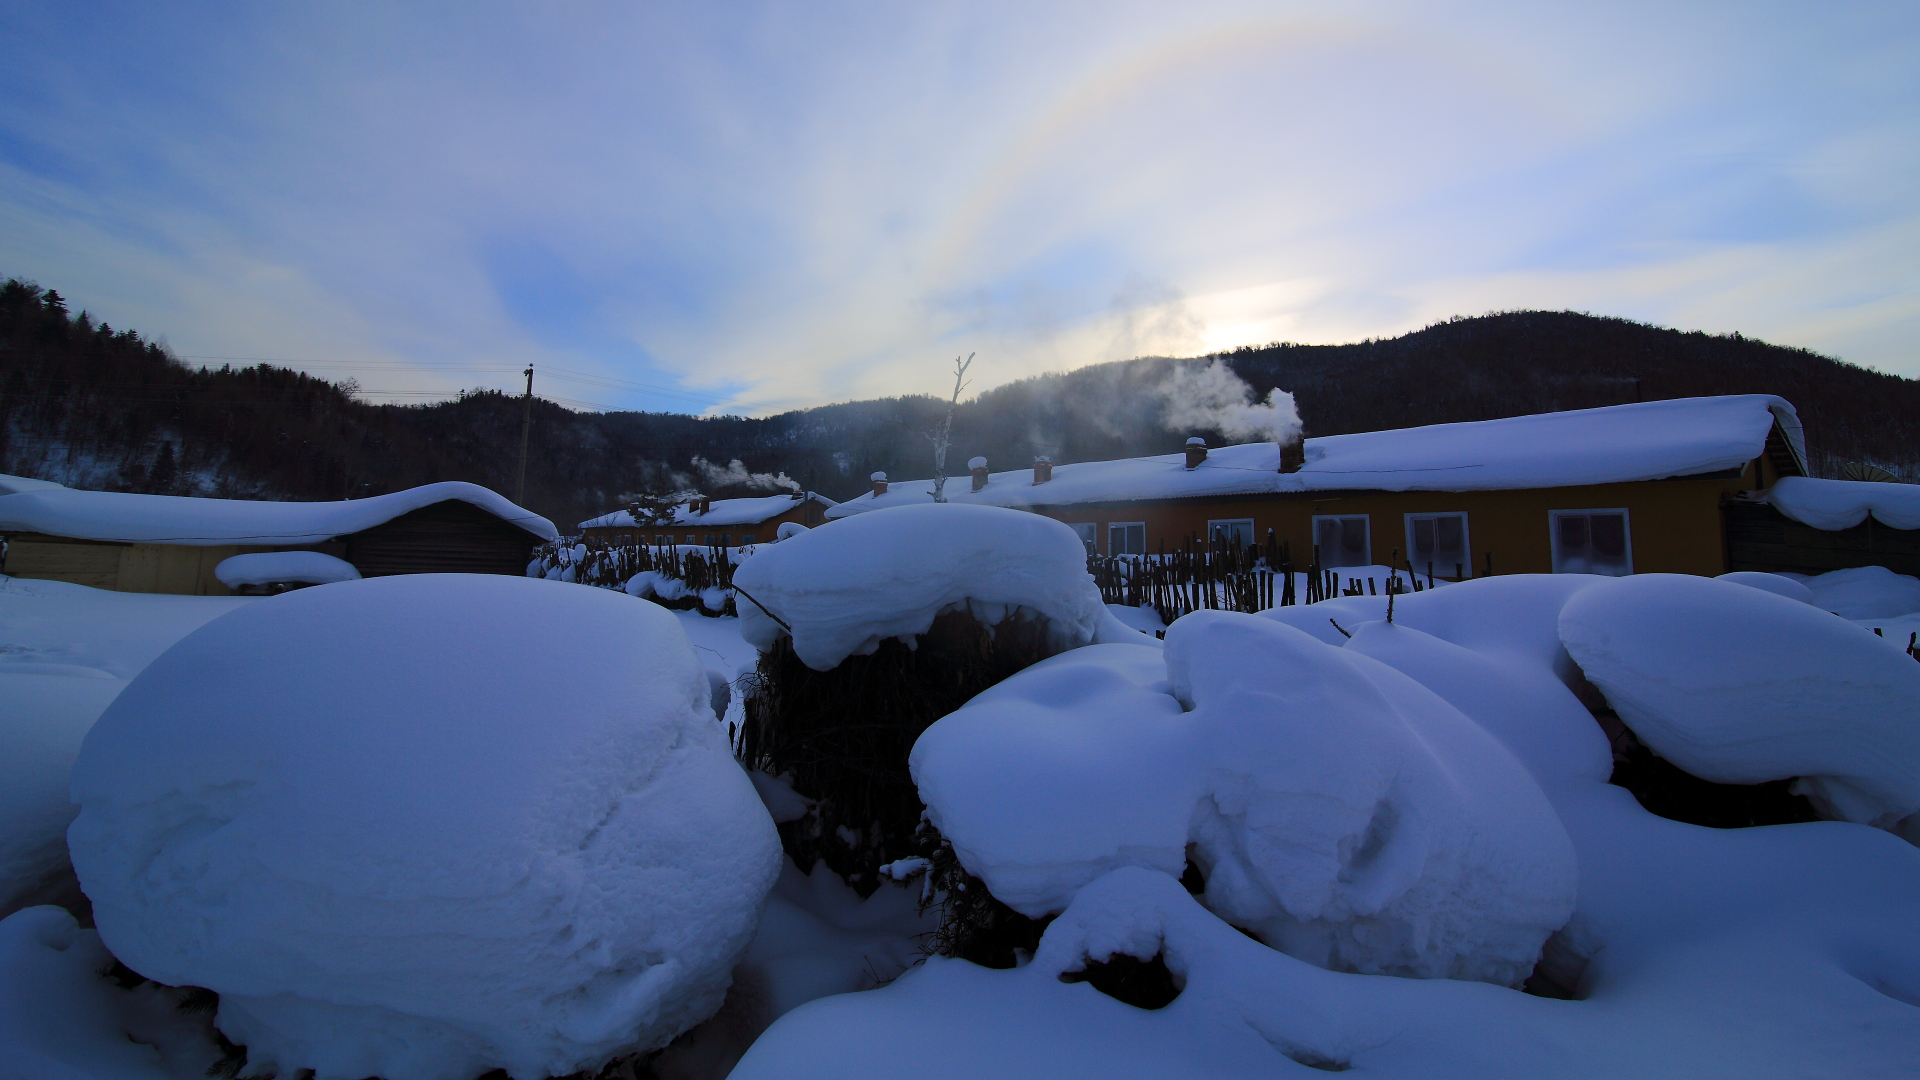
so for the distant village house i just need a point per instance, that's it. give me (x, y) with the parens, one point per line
(709, 522)
(1677, 486)
(169, 544)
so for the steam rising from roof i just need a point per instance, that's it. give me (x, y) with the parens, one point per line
(1214, 398)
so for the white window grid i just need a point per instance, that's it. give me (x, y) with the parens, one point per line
(1553, 530)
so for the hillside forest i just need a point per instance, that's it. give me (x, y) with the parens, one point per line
(95, 406)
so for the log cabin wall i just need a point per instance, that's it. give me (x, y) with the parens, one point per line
(449, 537)
(1760, 537)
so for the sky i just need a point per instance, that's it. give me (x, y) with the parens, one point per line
(749, 207)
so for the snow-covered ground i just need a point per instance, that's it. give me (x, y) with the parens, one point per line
(1346, 839)
(66, 651)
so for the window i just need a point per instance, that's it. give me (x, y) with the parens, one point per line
(1127, 538)
(1232, 532)
(1342, 540)
(1591, 542)
(1439, 542)
(1085, 531)
(749, 539)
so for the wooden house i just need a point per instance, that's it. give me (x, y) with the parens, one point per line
(1628, 489)
(727, 522)
(168, 544)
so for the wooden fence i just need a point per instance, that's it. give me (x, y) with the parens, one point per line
(610, 564)
(1221, 574)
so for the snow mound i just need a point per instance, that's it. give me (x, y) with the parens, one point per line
(1740, 686)
(1515, 617)
(274, 567)
(1842, 504)
(1784, 986)
(60, 1020)
(1865, 592)
(1343, 812)
(1778, 584)
(357, 813)
(843, 590)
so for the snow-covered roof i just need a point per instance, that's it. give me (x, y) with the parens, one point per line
(169, 519)
(11, 484)
(1618, 444)
(722, 511)
(1842, 504)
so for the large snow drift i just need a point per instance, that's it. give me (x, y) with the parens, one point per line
(1337, 808)
(1741, 686)
(843, 590)
(362, 815)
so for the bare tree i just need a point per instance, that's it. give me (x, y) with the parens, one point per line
(942, 436)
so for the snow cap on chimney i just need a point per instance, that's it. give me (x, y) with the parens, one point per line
(1042, 469)
(879, 484)
(1196, 452)
(978, 466)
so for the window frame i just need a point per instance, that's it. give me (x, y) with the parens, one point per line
(1553, 532)
(1466, 540)
(1314, 538)
(1248, 522)
(1141, 525)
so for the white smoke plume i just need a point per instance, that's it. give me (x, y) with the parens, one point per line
(1213, 397)
(734, 474)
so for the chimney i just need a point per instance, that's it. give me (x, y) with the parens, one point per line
(879, 484)
(978, 466)
(1196, 452)
(1293, 454)
(1042, 469)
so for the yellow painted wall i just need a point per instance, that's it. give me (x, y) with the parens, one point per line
(1674, 526)
(180, 569)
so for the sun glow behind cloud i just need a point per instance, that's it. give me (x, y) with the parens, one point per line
(767, 206)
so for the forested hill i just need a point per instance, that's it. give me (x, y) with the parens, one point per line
(98, 407)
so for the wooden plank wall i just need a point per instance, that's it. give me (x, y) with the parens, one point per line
(446, 538)
(1762, 538)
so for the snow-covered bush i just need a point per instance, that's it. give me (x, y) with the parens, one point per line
(1739, 686)
(363, 816)
(841, 591)
(1332, 805)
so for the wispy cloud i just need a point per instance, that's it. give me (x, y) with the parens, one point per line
(759, 206)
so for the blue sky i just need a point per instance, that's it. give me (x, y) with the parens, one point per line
(751, 207)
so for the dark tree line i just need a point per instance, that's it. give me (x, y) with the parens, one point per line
(89, 405)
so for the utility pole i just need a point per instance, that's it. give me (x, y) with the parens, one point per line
(526, 425)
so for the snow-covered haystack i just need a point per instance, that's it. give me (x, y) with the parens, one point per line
(1741, 686)
(874, 627)
(364, 816)
(1332, 805)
